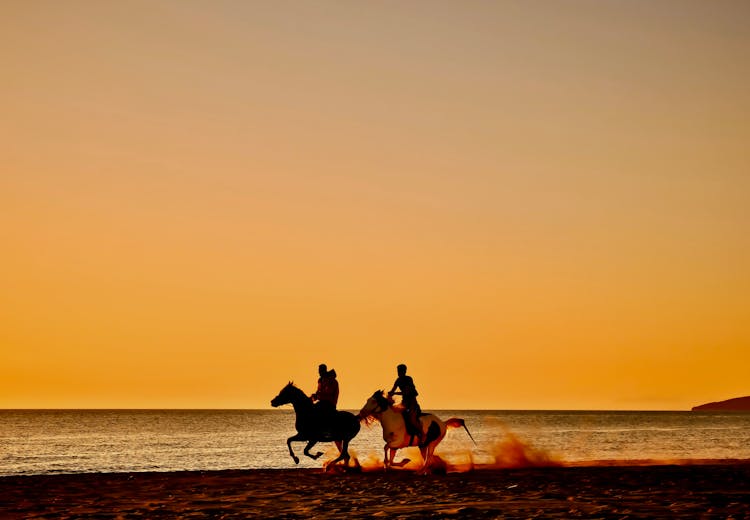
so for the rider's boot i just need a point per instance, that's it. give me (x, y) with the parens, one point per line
(419, 435)
(416, 427)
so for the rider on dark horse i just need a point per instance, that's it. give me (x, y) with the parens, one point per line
(409, 401)
(326, 396)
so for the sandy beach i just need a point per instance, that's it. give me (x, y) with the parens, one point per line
(675, 491)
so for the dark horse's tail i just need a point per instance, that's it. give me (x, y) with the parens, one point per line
(457, 423)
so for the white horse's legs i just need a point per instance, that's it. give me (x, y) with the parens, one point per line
(389, 454)
(392, 456)
(427, 452)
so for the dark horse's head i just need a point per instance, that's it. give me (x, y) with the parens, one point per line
(287, 395)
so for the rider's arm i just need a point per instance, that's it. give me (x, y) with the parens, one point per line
(315, 395)
(393, 390)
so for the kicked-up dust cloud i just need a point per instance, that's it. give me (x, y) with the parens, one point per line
(507, 451)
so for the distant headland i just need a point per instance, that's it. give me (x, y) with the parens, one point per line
(738, 404)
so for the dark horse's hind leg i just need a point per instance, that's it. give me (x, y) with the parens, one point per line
(298, 437)
(344, 453)
(310, 444)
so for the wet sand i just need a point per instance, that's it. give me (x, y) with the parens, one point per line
(668, 491)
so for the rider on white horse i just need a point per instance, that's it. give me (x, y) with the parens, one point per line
(408, 395)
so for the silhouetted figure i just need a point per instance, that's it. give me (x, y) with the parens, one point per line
(408, 395)
(326, 396)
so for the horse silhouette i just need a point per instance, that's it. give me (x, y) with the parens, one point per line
(396, 435)
(340, 429)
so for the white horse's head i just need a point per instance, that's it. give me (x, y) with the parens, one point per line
(376, 404)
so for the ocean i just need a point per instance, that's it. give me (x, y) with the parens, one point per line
(34, 442)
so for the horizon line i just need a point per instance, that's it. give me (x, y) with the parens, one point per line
(349, 409)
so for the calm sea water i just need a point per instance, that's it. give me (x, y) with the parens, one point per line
(76, 441)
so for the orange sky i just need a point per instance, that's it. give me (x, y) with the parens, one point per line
(532, 204)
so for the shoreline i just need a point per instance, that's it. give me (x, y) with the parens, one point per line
(442, 468)
(633, 491)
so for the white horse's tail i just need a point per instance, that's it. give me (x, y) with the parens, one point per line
(455, 422)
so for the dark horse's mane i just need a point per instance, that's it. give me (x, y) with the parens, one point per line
(290, 385)
(295, 393)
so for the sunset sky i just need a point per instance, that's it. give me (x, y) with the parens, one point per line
(534, 205)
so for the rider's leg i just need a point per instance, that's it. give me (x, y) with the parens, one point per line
(325, 414)
(416, 423)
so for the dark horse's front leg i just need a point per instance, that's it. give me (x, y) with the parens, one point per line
(293, 438)
(310, 444)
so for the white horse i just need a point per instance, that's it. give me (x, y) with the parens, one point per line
(396, 436)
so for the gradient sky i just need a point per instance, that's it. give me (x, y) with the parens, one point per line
(532, 204)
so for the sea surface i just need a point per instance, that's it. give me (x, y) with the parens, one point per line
(84, 441)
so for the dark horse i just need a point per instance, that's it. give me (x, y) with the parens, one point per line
(341, 430)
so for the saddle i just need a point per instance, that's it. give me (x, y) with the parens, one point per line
(325, 419)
